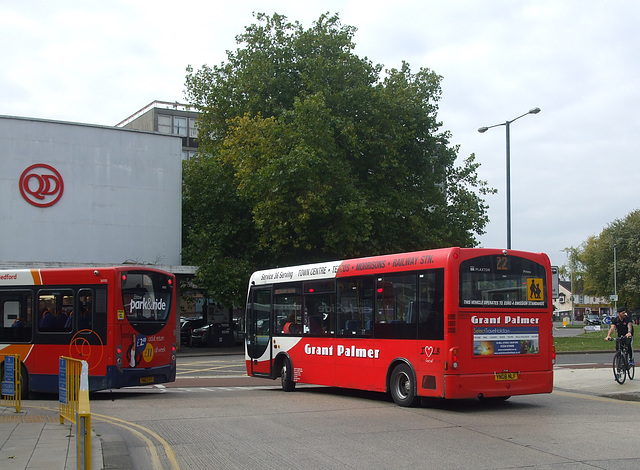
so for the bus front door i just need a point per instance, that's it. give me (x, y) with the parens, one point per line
(259, 326)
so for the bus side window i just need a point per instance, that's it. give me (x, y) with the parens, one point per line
(287, 308)
(395, 306)
(318, 314)
(354, 313)
(84, 310)
(100, 312)
(16, 315)
(54, 309)
(431, 304)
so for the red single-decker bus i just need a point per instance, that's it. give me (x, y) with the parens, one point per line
(448, 323)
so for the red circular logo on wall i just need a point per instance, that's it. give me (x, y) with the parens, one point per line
(41, 185)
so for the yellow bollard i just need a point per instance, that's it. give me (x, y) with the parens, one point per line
(83, 421)
(73, 379)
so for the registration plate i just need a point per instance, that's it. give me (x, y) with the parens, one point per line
(506, 376)
(146, 380)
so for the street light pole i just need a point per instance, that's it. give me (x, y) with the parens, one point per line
(615, 279)
(507, 125)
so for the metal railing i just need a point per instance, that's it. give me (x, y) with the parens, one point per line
(73, 385)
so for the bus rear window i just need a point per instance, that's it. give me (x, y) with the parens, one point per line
(499, 281)
(146, 297)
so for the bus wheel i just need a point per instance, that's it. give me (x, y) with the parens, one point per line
(24, 383)
(402, 386)
(286, 376)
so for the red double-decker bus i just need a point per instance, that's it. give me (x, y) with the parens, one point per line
(448, 323)
(121, 320)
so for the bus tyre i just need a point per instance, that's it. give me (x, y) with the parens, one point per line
(402, 386)
(286, 376)
(24, 383)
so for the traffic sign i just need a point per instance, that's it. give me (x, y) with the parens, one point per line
(62, 381)
(9, 368)
(8, 389)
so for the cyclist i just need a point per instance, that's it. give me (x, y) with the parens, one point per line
(625, 328)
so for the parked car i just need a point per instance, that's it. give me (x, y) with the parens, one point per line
(592, 320)
(187, 327)
(213, 335)
(200, 336)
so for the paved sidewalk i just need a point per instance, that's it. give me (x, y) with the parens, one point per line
(35, 439)
(596, 381)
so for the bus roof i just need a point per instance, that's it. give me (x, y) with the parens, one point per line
(356, 266)
(397, 262)
(70, 275)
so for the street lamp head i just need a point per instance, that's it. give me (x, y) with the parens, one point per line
(483, 130)
(534, 111)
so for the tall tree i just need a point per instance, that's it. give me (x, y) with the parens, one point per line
(308, 152)
(596, 260)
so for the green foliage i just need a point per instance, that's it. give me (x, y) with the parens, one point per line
(594, 261)
(307, 153)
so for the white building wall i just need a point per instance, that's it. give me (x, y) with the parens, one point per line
(562, 309)
(121, 200)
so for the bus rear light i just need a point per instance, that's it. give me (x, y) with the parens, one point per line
(119, 358)
(454, 357)
(553, 354)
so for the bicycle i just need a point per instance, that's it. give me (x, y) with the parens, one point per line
(622, 366)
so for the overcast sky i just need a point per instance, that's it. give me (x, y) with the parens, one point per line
(574, 166)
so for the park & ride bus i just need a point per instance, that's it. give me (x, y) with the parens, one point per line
(450, 323)
(121, 320)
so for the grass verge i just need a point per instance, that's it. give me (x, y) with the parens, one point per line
(589, 341)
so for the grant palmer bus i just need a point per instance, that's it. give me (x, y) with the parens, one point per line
(449, 323)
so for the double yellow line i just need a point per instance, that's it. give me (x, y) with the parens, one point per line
(140, 431)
